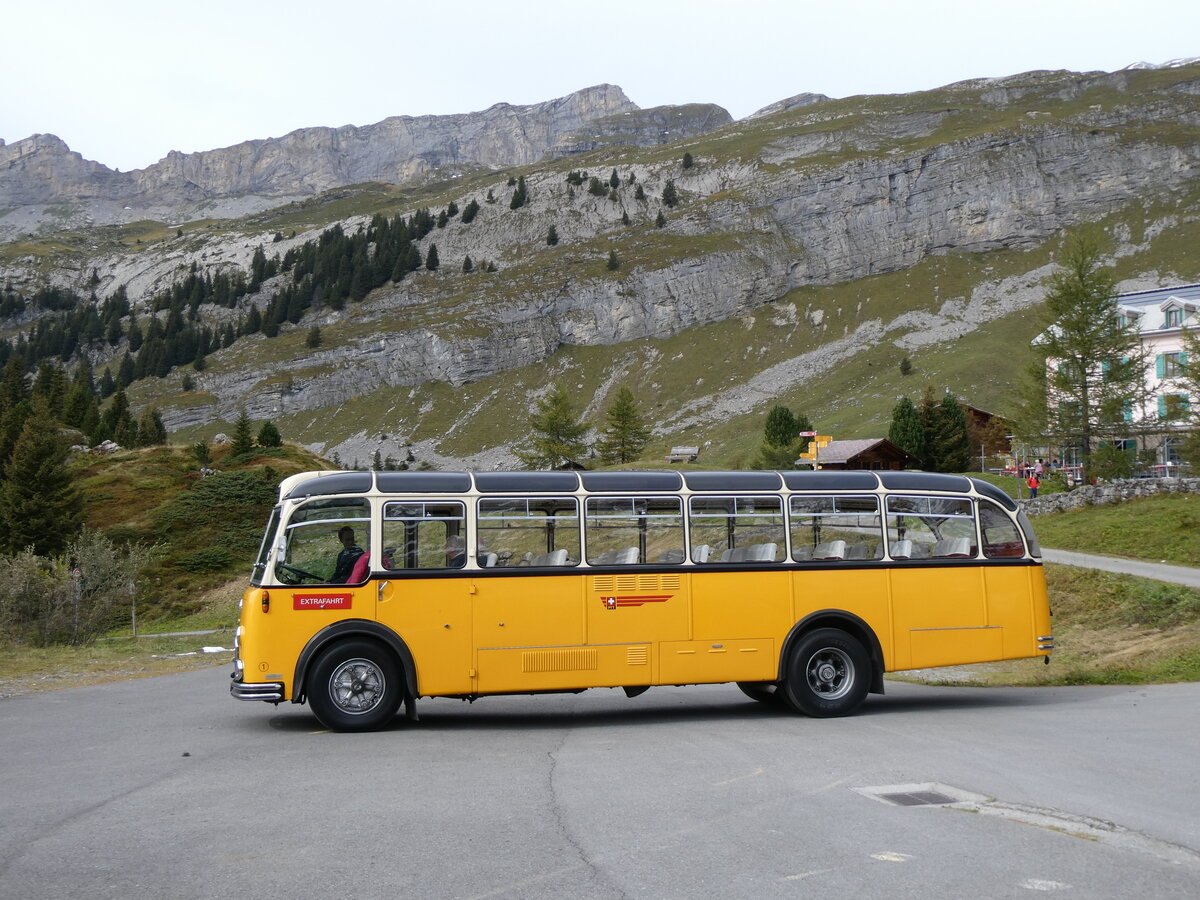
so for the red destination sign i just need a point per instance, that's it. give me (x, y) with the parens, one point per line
(321, 601)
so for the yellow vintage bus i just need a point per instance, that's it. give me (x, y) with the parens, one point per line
(373, 589)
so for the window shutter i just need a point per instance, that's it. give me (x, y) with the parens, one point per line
(1162, 407)
(1160, 366)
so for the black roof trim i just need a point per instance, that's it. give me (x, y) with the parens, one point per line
(992, 492)
(631, 481)
(423, 482)
(337, 483)
(732, 481)
(526, 482)
(831, 480)
(924, 481)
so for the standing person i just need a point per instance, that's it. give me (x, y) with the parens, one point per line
(1034, 483)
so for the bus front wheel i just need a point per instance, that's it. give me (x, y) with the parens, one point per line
(355, 686)
(828, 674)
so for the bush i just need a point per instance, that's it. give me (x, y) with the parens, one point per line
(70, 598)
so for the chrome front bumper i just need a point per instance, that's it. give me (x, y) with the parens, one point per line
(271, 691)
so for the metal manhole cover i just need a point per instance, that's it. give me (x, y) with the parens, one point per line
(928, 794)
(917, 798)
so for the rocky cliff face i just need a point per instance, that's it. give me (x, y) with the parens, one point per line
(42, 170)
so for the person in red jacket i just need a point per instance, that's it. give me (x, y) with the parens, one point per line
(1034, 483)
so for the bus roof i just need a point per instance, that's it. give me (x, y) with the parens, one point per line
(308, 484)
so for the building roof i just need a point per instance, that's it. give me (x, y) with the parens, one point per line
(1156, 298)
(1149, 306)
(844, 451)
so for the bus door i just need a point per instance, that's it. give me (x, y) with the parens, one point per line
(939, 597)
(427, 599)
(527, 618)
(637, 600)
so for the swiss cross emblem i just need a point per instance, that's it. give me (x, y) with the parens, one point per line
(609, 602)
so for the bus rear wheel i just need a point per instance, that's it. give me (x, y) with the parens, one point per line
(828, 674)
(355, 686)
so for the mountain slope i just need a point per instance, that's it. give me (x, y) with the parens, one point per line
(811, 250)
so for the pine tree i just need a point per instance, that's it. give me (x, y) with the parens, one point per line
(14, 406)
(467, 265)
(687, 160)
(552, 236)
(40, 506)
(782, 443)
(906, 431)
(519, 195)
(595, 187)
(948, 445)
(660, 221)
(614, 261)
(556, 434)
(614, 180)
(269, 436)
(781, 427)
(313, 340)
(470, 211)
(202, 453)
(626, 434)
(640, 193)
(670, 197)
(243, 441)
(431, 258)
(151, 432)
(118, 422)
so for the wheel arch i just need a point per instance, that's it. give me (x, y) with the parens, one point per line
(844, 621)
(351, 628)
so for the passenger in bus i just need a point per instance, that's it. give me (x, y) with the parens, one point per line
(347, 557)
(456, 551)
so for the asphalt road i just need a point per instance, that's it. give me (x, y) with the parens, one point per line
(167, 788)
(1157, 571)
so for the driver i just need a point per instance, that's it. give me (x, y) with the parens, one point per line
(347, 557)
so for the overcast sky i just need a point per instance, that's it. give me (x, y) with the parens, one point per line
(125, 81)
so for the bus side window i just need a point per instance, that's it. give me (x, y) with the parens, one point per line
(833, 528)
(931, 527)
(627, 531)
(424, 535)
(537, 532)
(737, 529)
(1000, 535)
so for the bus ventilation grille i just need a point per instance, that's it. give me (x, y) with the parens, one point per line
(558, 660)
(634, 582)
(637, 656)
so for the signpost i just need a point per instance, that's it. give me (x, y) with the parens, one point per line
(814, 446)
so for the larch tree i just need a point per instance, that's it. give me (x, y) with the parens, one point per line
(1088, 377)
(556, 434)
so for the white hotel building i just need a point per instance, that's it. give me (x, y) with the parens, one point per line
(1161, 317)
